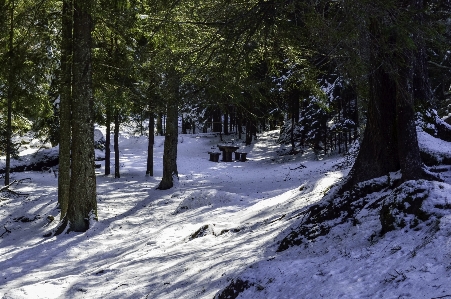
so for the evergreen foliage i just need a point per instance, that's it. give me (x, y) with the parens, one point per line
(317, 69)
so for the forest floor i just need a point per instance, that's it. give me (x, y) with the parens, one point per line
(219, 226)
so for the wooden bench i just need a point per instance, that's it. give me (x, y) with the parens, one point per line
(240, 156)
(214, 156)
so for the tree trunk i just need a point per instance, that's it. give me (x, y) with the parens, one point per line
(390, 140)
(108, 140)
(170, 147)
(226, 123)
(293, 124)
(183, 125)
(414, 85)
(149, 171)
(141, 126)
(160, 124)
(408, 149)
(82, 203)
(116, 144)
(164, 124)
(11, 84)
(240, 127)
(248, 139)
(217, 123)
(295, 107)
(65, 108)
(378, 153)
(232, 118)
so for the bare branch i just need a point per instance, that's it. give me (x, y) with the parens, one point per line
(439, 65)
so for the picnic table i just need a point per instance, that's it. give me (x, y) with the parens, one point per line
(227, 151)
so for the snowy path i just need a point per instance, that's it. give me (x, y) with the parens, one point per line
(140, 248)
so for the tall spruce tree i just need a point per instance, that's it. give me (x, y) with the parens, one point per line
(82, 203)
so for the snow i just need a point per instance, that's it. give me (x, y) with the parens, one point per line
(143, 245)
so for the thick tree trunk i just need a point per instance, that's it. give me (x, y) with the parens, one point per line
(170, 147)
(414, 86)
(117, 173)
(390, 140)
(378, 153)
(408, 149)
(65, 108)
(149, 170)
(82, 203)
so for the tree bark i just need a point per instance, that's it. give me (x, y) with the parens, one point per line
(65, 108)
(108, 140)
(117, 173)
(82, 203)
(390, 140)
(170, 147)
(378, 153)
(408, 148)
(149, 171)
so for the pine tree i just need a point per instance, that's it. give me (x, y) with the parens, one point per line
(82, 203)
(25, 68)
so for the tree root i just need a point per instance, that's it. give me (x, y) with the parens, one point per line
(59, 229)
(334, 209)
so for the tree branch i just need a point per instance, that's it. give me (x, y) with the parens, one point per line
(439, 65)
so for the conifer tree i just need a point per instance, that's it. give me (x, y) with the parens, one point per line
(26, 64)
(82, 199)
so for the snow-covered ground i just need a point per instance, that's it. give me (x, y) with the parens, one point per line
(222, 222)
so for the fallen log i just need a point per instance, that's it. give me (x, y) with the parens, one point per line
(42, 160)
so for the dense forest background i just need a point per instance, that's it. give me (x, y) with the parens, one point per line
(327, 73)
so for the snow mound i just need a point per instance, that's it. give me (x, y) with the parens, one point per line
(434, 150)
(354, 259)
(204, 198)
